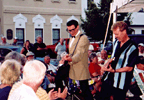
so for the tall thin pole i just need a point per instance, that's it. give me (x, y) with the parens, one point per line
(107, 30)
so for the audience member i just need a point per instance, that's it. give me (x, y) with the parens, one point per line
(30, 56)
(33, 75)
(94, 70)
(27, 47)
(17, 56)
(141, 49)
(3, 38)
(91, 48)
(120, 71)
(51, 69)
(50, 66)
(40, 48)
(140, 67)
(103, 57)
(60, 48)
(34, 72)
(15, 41)
(9, 74)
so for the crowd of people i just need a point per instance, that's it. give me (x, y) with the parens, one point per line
(93, 76)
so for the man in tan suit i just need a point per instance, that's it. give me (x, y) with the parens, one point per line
(79, 61)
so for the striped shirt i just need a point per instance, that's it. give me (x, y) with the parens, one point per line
(124, 56)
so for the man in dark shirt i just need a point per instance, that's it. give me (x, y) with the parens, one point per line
(40, 48)
(15, 41)
(120, 69)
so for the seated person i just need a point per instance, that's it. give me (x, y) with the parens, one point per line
(15, 41)
(103, 57)
(90, 50)
(94, 70)
(3, 38)
(140, 67)
(27, 47)
(30, 56)
(29, 89)
(9, 72)
(51, 69)
(40, 48)
(141, 49)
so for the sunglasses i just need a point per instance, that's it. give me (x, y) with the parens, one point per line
(70, 30)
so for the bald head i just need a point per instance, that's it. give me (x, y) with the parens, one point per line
(104, 54)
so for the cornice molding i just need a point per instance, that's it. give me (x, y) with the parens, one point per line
(37, 10)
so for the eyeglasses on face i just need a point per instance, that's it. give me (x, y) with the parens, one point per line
(70, 30)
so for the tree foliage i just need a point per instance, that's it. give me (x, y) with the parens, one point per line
(96, 19)
(95, 23)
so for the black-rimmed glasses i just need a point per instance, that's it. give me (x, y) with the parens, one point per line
(70, 30)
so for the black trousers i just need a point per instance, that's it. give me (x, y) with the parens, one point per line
(107, 90)
(62, 75)
(85, 90)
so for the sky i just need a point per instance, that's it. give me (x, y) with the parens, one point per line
(137, 18)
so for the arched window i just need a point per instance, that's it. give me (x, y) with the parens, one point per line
(38, 21)
(20, 28)
(56, 28)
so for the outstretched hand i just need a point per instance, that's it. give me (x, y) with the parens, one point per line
(63, 94)
(53, 94)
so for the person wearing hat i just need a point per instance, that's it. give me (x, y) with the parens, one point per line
(30, 56)
(15, 41)
(141, 49)
(3, 38)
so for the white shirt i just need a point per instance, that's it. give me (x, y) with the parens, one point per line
(52, 67)
(24, 92)
(141, 54)
(73, 39)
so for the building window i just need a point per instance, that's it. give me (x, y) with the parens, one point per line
(39, 0)
(38, 32)
(72, 1)
(142, 31)
(20, 36)
(55, 1)
(56, 35)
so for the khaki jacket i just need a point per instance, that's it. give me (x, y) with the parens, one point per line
(79, 65)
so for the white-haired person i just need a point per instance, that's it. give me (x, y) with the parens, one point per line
(33, 75)
(9, 74)
(17, 56)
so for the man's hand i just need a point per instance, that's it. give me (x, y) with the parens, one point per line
(62, 61)
(109, 69)
(53, 94)
(68, 58)
(63, 94)
(39, 48)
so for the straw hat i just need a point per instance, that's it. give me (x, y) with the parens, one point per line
(29, 54)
